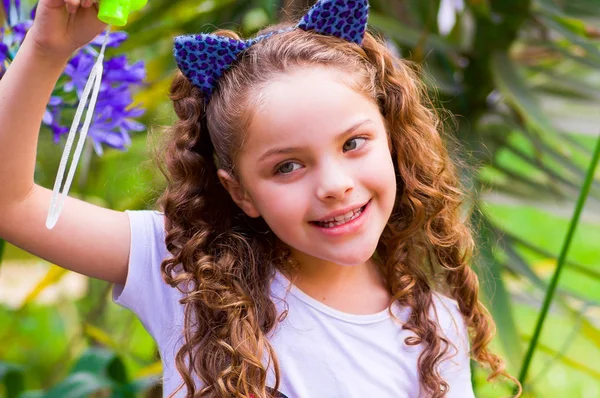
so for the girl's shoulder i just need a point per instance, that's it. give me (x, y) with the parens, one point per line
(450, 320)
(447, 305)
(148, 225)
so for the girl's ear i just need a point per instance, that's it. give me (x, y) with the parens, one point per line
(239, 195)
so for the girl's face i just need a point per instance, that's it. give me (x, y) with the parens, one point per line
(316, 165)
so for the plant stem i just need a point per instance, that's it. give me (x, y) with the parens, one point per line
(560, 263)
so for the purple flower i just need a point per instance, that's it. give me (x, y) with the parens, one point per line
(3, 55)
(19, 31)
(78, 69)
(52, 106)
(114, 39)
(3, 51)
(114, 116)
(117, 69)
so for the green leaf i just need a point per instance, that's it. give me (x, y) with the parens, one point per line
(576, 8)
(561, 262)
(584, 368)
(516, 263)
(572, 34)
(480, 7)
(513, 86)
(33, 394)
(424, 12)
(495, 292)
(145, 383)
(80, 385)
(552, 175)
(569, 51)
(11, 376)
(526, 186)
(557, 88)
(588, 329)
(408, 36)
(104, 362)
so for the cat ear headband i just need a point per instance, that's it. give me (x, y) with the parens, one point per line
(204, 58)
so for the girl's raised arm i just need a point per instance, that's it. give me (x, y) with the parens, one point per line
(87, 239)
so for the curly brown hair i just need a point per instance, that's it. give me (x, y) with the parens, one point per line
(223, 260)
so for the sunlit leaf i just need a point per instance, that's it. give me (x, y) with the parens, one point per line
(100, 336)
(54, 275)
(154, 369)
(588, 329)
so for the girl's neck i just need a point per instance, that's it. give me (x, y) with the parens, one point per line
(358, 289)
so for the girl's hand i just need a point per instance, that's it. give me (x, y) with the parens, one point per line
(62, 26)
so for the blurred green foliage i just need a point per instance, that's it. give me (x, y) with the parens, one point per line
(522, 78)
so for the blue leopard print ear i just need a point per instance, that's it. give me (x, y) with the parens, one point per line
(205, 57)
(346, 19)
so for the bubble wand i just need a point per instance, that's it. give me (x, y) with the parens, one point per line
(111, 12)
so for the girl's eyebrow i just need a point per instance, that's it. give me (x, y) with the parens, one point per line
(276, 151)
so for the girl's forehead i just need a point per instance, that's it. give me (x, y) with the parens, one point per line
(309, 104)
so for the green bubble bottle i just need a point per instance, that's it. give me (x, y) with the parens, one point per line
(116, 12)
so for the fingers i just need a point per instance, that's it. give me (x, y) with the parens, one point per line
(73, 5)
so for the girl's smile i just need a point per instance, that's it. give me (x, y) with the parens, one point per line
(343, 222)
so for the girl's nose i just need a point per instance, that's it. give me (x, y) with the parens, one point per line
(334, 183)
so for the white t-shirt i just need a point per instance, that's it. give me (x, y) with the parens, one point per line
(322, 352)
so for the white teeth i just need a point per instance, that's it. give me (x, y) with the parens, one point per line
(343, 218)
(339, 220)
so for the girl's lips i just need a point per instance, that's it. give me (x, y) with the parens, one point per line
(348, 227)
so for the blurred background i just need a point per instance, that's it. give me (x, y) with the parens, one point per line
(522, 78)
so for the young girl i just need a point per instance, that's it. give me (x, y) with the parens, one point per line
(309, 242)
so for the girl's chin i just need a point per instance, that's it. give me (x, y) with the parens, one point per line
(350, 259)
(349, 255)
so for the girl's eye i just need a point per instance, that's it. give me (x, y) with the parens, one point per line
(288, 167)
(350, 145)
(353, 143)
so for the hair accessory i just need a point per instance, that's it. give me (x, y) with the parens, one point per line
(205, 57)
